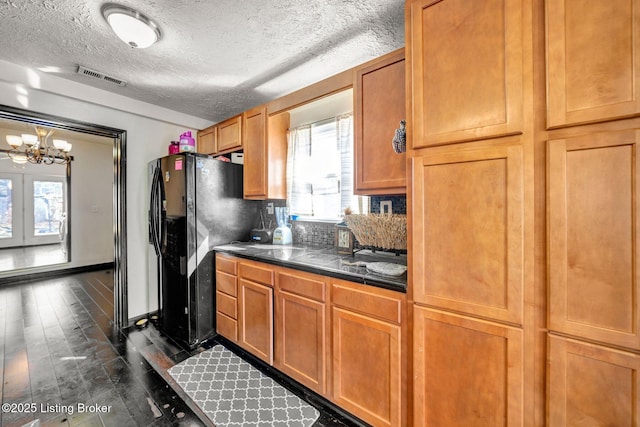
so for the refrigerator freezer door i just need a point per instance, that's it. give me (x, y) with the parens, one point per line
(221, 216)
(175, 284)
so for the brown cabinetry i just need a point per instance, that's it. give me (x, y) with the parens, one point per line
(593, 65)
(265, 154)
(474, 378)
(592, 385)
(593, 230)
(367, 349)
(471, 195)
(229, 135)
(255, 309)
(301, 328)
(466, 75)
(468, 230)
(524, 126)
(226, 297)
(379, 105)
(207, 140)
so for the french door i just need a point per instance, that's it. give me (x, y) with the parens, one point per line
(32, 209)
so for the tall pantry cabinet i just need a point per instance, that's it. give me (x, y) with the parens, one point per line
(593, 72)
(522, 129)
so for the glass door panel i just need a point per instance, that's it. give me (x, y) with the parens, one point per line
(45, 208)
(11, 218)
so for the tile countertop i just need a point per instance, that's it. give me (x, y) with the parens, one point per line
(323, 261)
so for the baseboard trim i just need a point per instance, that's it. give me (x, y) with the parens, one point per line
(31, 277)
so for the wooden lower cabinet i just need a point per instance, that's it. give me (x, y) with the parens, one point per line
(592, 385)
(467, 372)
(341, 339)
(301, 328)
(367, 349)
(226, 296)
(255, 319)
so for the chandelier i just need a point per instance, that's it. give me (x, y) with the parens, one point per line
(36, 148)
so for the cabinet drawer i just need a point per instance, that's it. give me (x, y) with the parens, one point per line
(226, 264)
(227, 305)
(227, 327)
(303, 286)
(366, 302)
(256, 274)
(227, 283)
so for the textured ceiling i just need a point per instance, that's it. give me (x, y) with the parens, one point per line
(215, 58)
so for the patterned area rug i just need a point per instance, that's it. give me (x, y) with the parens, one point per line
(232, 393)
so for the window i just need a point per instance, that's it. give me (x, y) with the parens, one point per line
(320, 170)
(32, 209)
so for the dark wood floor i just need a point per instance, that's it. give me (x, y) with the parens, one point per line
(60, 351)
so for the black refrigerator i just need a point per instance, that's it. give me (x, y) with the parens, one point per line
(195, 204)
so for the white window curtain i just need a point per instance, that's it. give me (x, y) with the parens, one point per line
(320, 170)
(299, 194)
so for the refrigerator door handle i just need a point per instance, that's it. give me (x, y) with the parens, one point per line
(154, 210)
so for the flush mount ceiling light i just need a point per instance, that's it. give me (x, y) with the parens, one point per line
(131, 26)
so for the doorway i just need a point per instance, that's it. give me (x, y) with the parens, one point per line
(119, 191)
(33, 218)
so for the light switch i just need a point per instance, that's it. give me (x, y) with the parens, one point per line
(270, 208)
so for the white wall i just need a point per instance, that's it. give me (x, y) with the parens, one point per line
(147, 138)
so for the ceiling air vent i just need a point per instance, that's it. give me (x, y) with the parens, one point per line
(100, 76)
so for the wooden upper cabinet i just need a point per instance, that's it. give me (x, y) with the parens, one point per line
(255, 153)
(467, 372)
(265, 154)
(468, 210)
(593, 237)
(466, 74)
(592, 385)
(379, 102)
(229, 135)
(593, 63)
(207, 140)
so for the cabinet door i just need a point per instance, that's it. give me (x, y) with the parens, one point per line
(379, 100)
(207, 141)
(593, 61)
(229, 135)
(468, 231)
(301, 342)
(467, 372)
(367, 368)
(255, 153)
(592, 385)
(265, 154)
(466, 69)
(593, 237)
(255, 317)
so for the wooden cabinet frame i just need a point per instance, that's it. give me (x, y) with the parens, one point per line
(472, 87)
(432, 282)
(593, 233)
(592, 385)
(483, 358)
(602, 80)
(229, 135)
(379, 105)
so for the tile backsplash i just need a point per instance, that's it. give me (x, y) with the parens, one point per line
(398, 203)
(322, 234)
